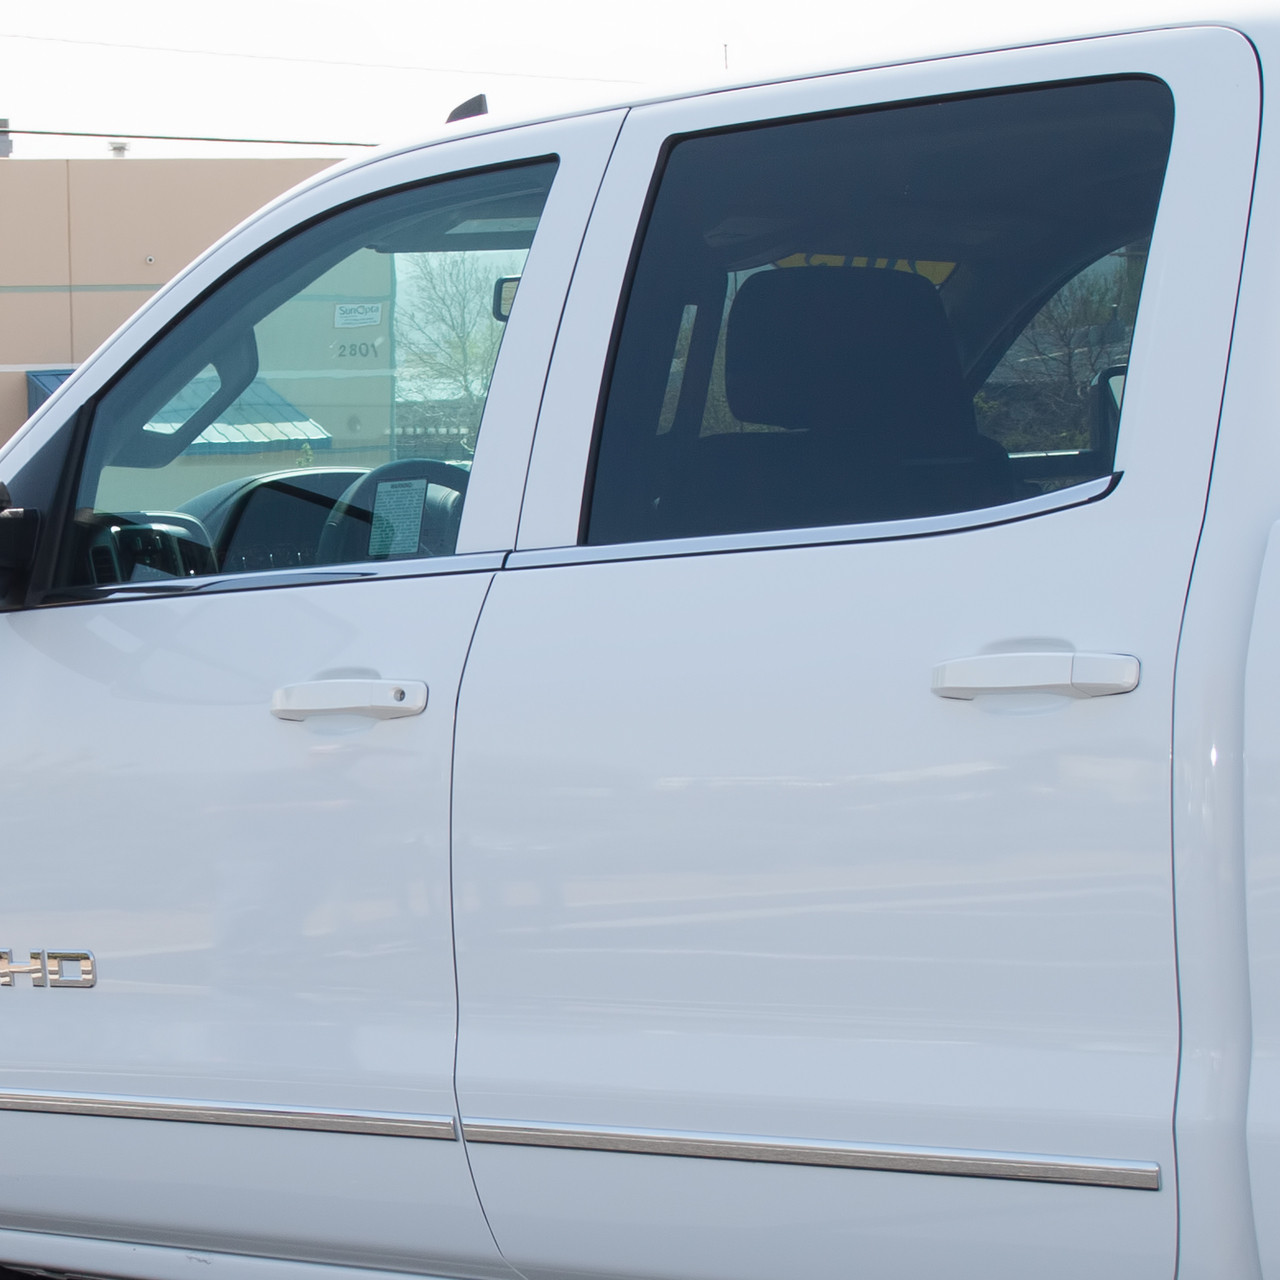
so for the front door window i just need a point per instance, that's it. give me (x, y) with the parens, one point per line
(323, 407)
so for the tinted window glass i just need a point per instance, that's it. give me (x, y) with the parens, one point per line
(323, 405)
(882, 315)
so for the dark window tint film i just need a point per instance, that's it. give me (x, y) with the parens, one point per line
(883, 315)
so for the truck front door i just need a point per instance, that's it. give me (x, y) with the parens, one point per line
(228, 981)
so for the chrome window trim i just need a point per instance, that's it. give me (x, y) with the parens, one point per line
(246, 1115)
(1138, 1175)
(262, 580)
(1077, 495)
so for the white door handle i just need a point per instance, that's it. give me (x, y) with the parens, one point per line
(1076, 675)
(379, 699)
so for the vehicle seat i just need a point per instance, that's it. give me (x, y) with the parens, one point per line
(859, 371)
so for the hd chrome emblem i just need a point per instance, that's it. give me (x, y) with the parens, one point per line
(50, 969)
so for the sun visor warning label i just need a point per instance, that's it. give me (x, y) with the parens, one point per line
(397, 518)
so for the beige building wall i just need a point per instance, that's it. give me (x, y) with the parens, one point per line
(303, 354)
(86, 242)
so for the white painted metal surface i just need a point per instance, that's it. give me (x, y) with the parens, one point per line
(1227, 751)
(749, 890)
(1261, 758)
(150, 1262)
(268, 903)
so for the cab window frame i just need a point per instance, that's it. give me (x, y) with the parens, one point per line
(978, 365)
(59, 466)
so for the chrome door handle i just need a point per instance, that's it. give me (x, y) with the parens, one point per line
(378, 699)
(1075, 675)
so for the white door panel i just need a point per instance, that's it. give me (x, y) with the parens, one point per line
(781, 896)
(199, 839)
(267, 902)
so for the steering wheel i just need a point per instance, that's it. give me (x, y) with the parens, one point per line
(143, 546)
(391, 513)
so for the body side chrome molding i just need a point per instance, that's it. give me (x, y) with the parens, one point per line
(955, 1162)
(1078, 495)
(1140, 1175)
(263, 579)
(384, 1123)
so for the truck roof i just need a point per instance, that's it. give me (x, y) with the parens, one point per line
(948, 31)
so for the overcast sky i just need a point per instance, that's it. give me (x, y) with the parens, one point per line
(388, 70)
(360, 70)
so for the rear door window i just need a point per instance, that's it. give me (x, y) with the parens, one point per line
(882, 315)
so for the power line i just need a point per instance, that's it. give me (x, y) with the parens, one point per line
(186, 137)
(318, 62)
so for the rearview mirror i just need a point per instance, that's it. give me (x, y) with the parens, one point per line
(504, 297)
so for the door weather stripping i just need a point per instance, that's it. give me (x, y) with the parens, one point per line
(1138, 1175)
(385, 1123)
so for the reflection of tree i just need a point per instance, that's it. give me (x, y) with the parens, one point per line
(446, 336)
(1037, 398)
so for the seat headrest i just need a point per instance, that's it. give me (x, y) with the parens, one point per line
(856, 350)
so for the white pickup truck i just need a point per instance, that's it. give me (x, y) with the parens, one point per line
(618, 697)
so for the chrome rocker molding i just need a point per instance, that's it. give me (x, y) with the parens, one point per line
(1138, 1175)
(385, 1123)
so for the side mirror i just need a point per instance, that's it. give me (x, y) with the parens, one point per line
(18, 526)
